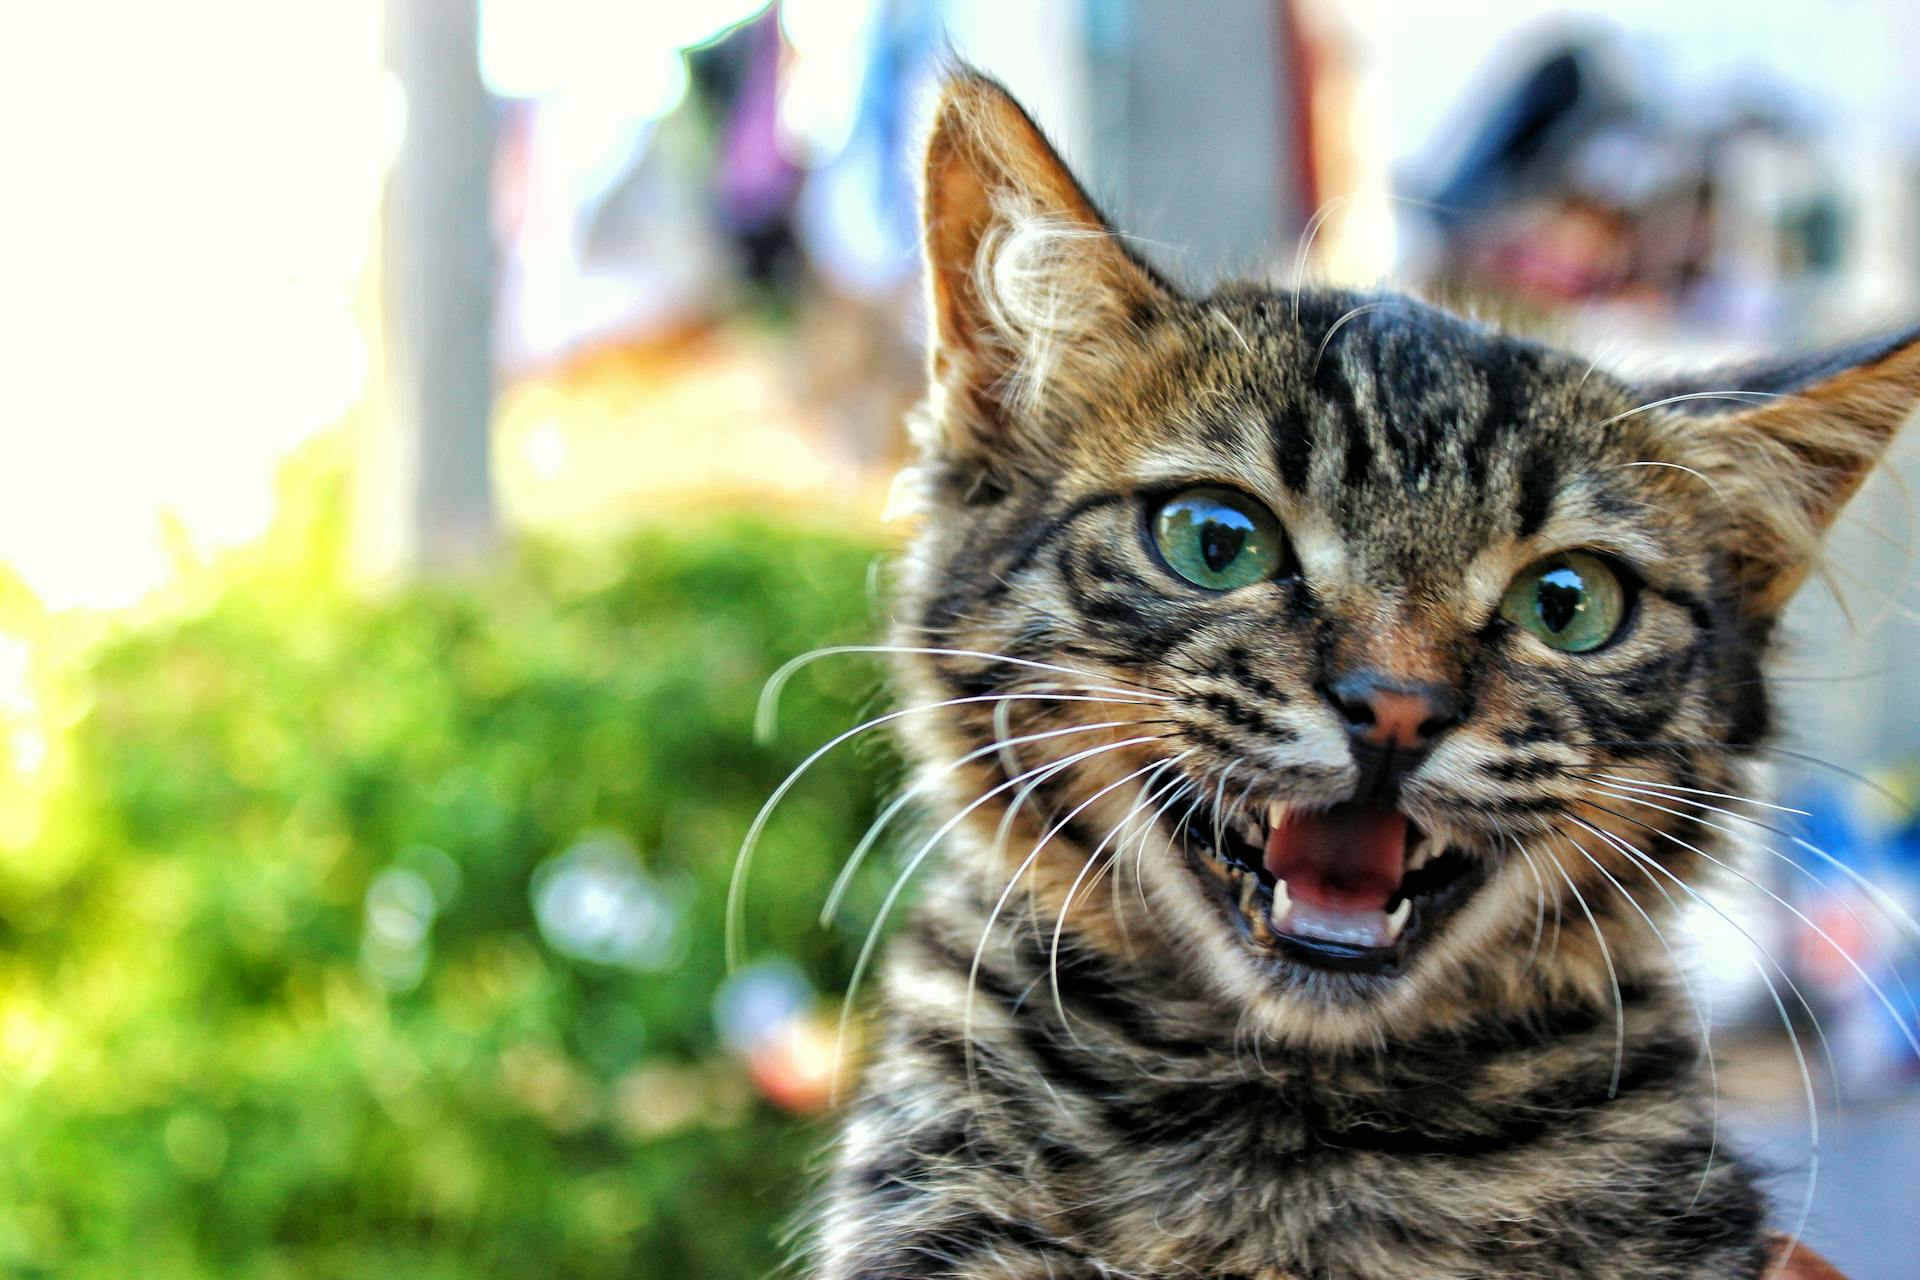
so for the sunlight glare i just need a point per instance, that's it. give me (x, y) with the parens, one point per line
(183, 276)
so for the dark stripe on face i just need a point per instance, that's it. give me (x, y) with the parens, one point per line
(1523, 770)
(1037, 541)
(1636, 704)
(1103, 568)
(1240, 666)
(1539, 476)
(1359, 456)
(949, 609)
(1708, 618)
(1292, 450)
(1051, 795)
(1333, 390)
(1411, 376)
(1241, 716)
(1509, 372)
(1134, 614)
(1750, 715)
(1539, 727)
(1661, 674)
(1202, 736)
(1302, 605)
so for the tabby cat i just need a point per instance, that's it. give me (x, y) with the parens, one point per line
(1326, 698)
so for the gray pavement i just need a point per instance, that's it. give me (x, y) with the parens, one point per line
(1866, 1202)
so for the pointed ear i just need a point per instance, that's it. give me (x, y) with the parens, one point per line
(1030, 290)
(1786, 466)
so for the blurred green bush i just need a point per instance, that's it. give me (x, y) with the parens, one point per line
(274, 1000)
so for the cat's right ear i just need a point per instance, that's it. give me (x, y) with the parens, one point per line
(1032, 297)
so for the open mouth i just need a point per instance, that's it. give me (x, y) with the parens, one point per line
(1354, 887)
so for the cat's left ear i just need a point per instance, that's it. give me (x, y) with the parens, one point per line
(1031, 292)
(1783, 469)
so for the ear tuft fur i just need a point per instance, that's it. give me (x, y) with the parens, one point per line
(1030, 289)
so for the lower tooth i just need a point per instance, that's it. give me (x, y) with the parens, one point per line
(1282, 904)
(1397, 919)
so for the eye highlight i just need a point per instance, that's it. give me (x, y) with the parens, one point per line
(1219, 539)
(1574, 601)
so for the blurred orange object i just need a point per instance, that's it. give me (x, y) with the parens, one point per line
(795, 1065)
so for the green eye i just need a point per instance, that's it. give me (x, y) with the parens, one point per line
(1218, 539)
(1574, 601)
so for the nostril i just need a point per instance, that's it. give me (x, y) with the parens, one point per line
(1352, 704)
(1390, 713)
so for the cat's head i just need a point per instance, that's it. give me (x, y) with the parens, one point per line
(1453, 636)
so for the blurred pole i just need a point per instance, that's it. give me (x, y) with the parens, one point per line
(1197, 131)
(425, 494)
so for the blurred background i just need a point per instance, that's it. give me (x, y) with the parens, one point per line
(428, 424)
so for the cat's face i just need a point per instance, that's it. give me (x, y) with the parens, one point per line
(1387, 655)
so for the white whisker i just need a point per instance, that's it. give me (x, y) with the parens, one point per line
(1890, 908)
(920, 855)
(1745, 397)
(986, 932)
(763, 721)
(1092, 860)
(1905, 1029)
(1539, 908)
(1881, 898)
(1651, 784)
(844, 880)
(1173, 796)
(1773, 992)
(1352, 314)
(743, 861)
(1695, 472)
(1606, 954)
(1703, 1015)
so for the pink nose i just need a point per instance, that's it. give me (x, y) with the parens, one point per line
(1383, 713)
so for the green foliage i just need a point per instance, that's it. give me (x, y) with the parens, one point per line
(211, 1065)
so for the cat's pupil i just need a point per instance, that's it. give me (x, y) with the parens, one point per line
(1220, 543)
(1559, 596)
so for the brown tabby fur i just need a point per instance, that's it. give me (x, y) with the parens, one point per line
(1081, 1068)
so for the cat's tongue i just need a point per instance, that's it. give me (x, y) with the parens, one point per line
(1340, 867)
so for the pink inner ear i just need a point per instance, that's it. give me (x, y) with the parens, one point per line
(958, 211)
(985, 156)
